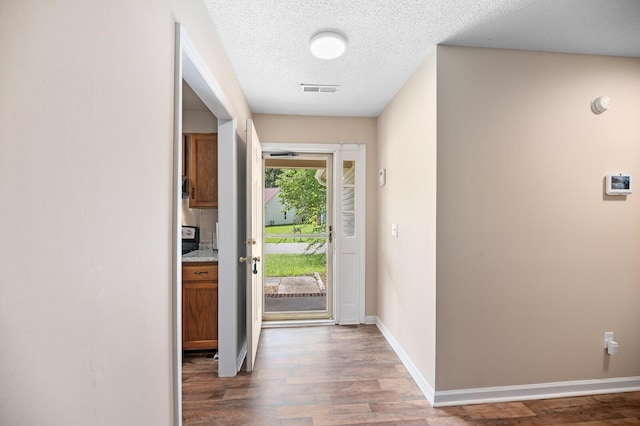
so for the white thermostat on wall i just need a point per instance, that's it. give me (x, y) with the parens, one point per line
(618, 184)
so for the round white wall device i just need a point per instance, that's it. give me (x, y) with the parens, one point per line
(600, 104)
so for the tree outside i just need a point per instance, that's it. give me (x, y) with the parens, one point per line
(271, 176)
(300, 190)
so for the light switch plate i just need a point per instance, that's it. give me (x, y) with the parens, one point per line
(394, 230)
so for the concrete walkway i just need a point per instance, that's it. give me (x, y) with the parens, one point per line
(291, 286)
(293, 294)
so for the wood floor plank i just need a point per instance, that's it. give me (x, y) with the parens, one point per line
(304, 411)
(349, 375)
(369, 419)
(339, 398)
(351, 408)
(502, 410)
(419, 408)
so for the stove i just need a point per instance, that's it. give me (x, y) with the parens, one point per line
(190, 238)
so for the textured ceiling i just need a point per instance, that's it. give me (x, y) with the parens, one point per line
(267, 42)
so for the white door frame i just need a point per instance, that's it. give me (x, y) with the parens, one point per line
(190, 66)
(342, 295)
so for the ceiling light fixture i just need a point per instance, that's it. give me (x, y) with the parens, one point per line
(328, 45)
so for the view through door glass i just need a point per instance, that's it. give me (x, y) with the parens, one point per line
(298, 281)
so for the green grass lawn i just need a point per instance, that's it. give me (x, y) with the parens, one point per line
(286, 229)
(294, 265)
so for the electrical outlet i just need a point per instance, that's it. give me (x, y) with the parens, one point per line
(608, 335)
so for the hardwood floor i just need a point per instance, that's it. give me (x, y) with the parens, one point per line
(349, 375)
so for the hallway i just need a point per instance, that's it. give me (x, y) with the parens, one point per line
(304, 376)
(349, 375)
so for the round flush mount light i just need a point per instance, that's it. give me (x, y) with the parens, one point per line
(328, 45)
(600, 104)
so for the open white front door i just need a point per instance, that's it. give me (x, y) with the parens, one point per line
(255, 273)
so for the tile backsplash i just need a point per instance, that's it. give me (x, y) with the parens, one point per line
(205, 219)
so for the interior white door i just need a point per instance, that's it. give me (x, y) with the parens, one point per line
(255, 273)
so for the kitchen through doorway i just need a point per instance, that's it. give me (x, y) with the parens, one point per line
(298, 237)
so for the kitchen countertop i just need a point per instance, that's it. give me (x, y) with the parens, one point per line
(206, 255)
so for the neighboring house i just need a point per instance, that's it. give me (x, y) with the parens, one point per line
(274, 211)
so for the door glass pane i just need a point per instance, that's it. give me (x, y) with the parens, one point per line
(297, 215)
(348, 198)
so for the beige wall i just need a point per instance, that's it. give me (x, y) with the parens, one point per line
(406, 264)
(85, 207)
(199, 122)
(306, 129)
(533, 263)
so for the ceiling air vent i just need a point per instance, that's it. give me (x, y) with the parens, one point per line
(319, 88)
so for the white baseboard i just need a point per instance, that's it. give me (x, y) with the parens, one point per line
(422, 383)
(241, 356)
(370, 320)
(536, 391)
(508, 393)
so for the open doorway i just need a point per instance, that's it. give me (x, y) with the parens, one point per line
(232, 348)
(298, 237)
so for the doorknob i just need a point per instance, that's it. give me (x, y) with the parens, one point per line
(254, 260)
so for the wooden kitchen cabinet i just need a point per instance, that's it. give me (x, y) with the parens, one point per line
(199, 306)
(202, 170)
